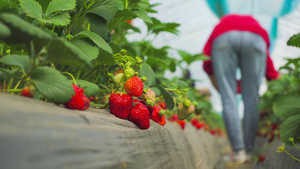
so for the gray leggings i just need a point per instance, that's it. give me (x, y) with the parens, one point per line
(247, 51)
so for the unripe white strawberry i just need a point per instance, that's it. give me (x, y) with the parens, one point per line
(129, 72)
(118, 78)
(149, 97)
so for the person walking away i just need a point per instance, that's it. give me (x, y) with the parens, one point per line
(239, 41)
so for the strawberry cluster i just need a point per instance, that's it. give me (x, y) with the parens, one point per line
(135, 104)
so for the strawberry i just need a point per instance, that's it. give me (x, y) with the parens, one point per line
(261, 158)
(181, 123)
(213, 131)
(79, 101)
(150, 109)
(118, 78)
(27, 92)
(160, 119)
(120, 105)
(91, 98)
(194, 122)
(174, 117)
(86, 103)
(149, 97)
(134, 86)
(163, 105)
(139, 115)
(184, 112)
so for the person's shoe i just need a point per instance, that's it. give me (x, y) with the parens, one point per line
(237, 157)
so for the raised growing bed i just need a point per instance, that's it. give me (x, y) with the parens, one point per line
(35, 134)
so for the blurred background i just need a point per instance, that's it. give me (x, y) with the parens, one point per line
(197, 18)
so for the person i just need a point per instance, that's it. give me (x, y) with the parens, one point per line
(239, 41)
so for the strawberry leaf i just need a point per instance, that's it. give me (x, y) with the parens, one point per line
(22, 31)
(287, 105)
(19, 60)
(87, 47)
(100, 42)
(167, 96)
(61, 19)
(60, 5)
(104, 8)
(4, 31)
(290, 128)
(143, 15)
(52, 84)
(294, 41)
(63, 52)
(147, 71)
(90, 89)
(31, 8)
(6, 73)
(98, 25)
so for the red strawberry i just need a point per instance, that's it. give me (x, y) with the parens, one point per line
(134, 86)
(91, 98)
(200, 125)
(86, 103)
(181, 123)
(139, 115)
(213, 131)
(120, 105)
(194, 122)
(27, 92)
(79, 101)
(163, 105)
(150, 109)
(160, 119)
(174, 117)
(261, 158)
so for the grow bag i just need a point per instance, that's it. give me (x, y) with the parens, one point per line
(39, 135)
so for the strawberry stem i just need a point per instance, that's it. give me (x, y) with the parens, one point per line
(74, 81)
(14, 90)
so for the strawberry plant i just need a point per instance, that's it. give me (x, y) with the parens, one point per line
(76, 53)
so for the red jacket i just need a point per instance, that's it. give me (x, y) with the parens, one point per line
(239, 23)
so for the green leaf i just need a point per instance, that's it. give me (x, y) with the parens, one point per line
(294, 41)
(63, 52)
(156, 91)
(52, 84)
(290, 128)
(22, 31)
(3, 4)
(90, 89)
(4, 31)
(87, 47)
(60, 5)
(157, 27)
(167, 96)
(287, 105)
(147, 71)
(44, 3)
(61, 19)
(19, 60)
(98, 25)
(96, 39)
(172, 66)
(31, 8)
(5, 74)
(182, 83)
(104, 8)
(143, 15)
(106, 58)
